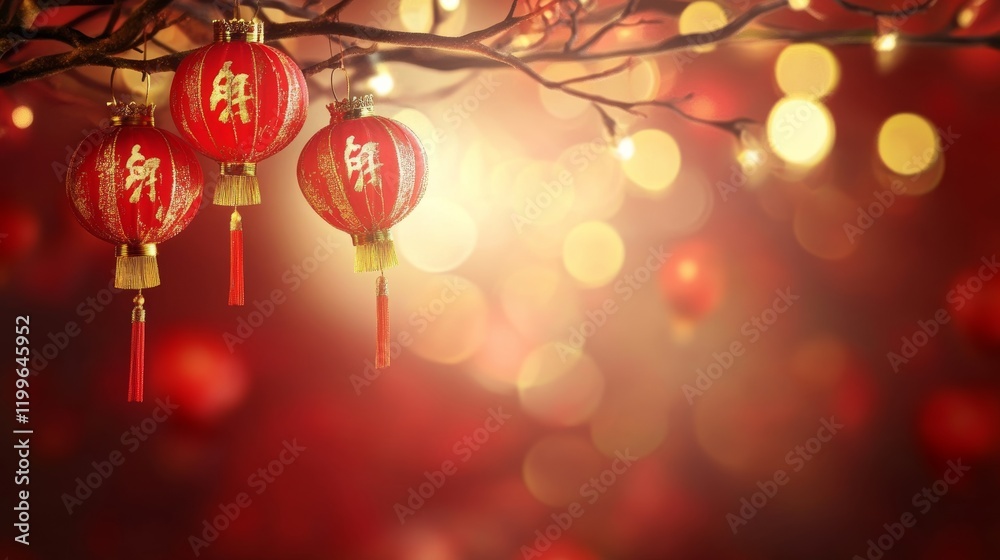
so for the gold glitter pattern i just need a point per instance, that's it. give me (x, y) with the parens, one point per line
(327, 182)
(138, 185)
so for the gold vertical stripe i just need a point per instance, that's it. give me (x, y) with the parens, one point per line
(338, 194)
(295, 91)
(109, 198)
(257, 78)
(407, 178)
(170, 216)
(200, 70)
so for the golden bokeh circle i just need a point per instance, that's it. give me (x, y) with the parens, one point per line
(656, 160)
(560, 386)
(800, 130)
(908, 144)
(593, 253)
(807, 69)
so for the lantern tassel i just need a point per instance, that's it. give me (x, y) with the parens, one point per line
(237, 186)
(381, 323)
(137, 357)
(375, 254)
(236, 259)
(135, 267)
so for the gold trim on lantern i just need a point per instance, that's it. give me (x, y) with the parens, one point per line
(132, 113)
(353, 108)
(247, 168)
(373, 251)
(135, 267)
(229, 30)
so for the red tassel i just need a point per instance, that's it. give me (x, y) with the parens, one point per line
(137, 359)
(236, 259)
(381, 323)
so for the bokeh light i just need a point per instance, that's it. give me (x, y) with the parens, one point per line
(598, 181)
(447, 318)
(557, 103)
(416, 15)
(449, 5)
(819, 223)
(961, 423)
(540, 302)
(22, 116)
(557, 466)
(438, 236)
(382, 82)
(625, 148)
(641, 80)
(419, 123)
(798, 5)
(702, 17)
(593, 253)
(21, 231)
(198, 372)
(559, 386)
(496, 364)
(541, 195)
(656, 160)
(908, 144)
(750, 159)
(807, 69)
(634, 418)
(886, 42)
(819, 362)
(800, 131)
(693, 279)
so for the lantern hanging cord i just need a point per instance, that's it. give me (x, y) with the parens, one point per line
(145, 63)
(111, 87)
(343, 67)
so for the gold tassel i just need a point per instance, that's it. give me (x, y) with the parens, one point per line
(135, 267)
(374, 252)
(238, 185)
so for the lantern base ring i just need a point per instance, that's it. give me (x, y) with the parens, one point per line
(135, 267)
(373, 251)
(238, 185)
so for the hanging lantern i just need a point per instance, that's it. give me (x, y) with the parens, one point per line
(134, 186)
(363, 174)
(238, 101)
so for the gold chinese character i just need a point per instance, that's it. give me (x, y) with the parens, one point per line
(141, 171)
(366, 162)
(232, 90)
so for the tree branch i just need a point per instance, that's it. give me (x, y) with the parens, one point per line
(560, 23)
(894, 12)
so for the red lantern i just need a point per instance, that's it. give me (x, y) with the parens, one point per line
(238, 101)
(363, 174)
(134, 186)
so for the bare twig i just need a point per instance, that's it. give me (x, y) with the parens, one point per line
(894, 12)
(626, 11)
